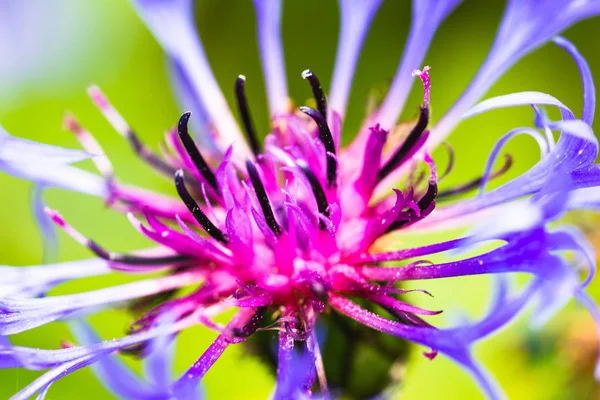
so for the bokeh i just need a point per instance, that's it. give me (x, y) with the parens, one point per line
(53, 49)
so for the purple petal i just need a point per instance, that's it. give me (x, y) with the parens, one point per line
(188, 382)
(589, 91)
(48, 165)
(517, 99)
(159, 362)
(36, 359)
(188, 101)
(18, 315)
(294, 370)
(33, 281)
(43, 382)
(113, 373)
(45, 223)
(172, 24)
(526, 25)
(268, 21)
(356, 17)
(57, 175)
(426, 18)
(23, 150)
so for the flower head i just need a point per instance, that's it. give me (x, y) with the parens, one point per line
(296, 228)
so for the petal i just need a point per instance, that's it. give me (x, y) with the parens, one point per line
(112, 371)
(356, 17)
(57, 175)
(159, 362)
(45, 223)
(426, 18)
(589, 91)
(172, 24)
(43, 382)
(526, 25)
(188, 382)
(32, 281)
(18, 315)
(268, 21)
(518, 99)
(36, 359)
(18, 149)
(48, 165)
(188, 101)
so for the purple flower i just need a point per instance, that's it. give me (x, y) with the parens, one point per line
(295, 229)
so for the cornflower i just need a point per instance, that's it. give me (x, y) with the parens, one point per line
(297, 228)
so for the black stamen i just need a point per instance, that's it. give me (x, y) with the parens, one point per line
(400, 154)
(191, 204)
(429, 196)
(252, 325)
(317, 91)
(148, 155)
(327, 139)
(242, 102)
(192, 150)
(133, 259)
(464, 188)
(263, 199)
(318, 192)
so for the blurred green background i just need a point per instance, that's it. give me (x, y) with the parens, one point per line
(105, 43)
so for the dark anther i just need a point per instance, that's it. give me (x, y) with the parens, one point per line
(317, 91)
(252, 325)
(191, 204)
(327, 139)
(263, 199)
(429, 196)
(133, 259)
(318, 192)
(412, 138)
(192, 150)
(148, 155)
(476, 182)
(242, 102)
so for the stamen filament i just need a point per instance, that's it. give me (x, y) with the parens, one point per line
(198, 214)
(263, 199)
(191, 148)
(242, 102)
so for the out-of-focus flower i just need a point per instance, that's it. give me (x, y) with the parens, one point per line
(297, 228)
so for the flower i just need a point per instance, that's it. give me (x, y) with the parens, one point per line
(295, 229)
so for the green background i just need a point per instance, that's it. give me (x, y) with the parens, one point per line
(115, 51)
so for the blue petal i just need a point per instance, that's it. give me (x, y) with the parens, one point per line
(356, 17)
(18, 315)
(172, 24)
(23, 150)
(113, 373)
(57, 175)
(268, 22)
(36, 359)
(158, 363)
(45, 223)
(427, 17)
(32, 281)
(589, 91)
(43, 382)
(48, 165)
(526, 25)
(188, 101)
